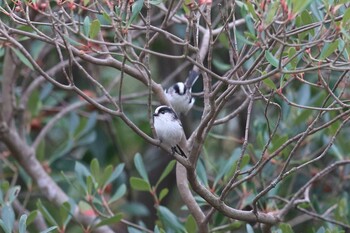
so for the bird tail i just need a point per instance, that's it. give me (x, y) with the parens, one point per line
(191, 79)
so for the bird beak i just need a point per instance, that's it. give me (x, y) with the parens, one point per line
(154, 114)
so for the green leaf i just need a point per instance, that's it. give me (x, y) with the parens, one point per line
(86, 139)
(243, 39)
(116, 173)
(163, 194)
(221, 65)
(291, 52)
(202, 173)
(305, 18)
(321, 230)
(157, 230)
(86, 26)
(49, 229)
(251, 10)
(81, 172)
(229, 165)
(65, 214)
(40, 151)
(8, 216)
(346, 17)
(185, 8)
(134, 230)
(37, 48)
(46, 213)
(250, 24)
(106, 17)
(342, 210)
(328, 49)
(5, 186)
(74, 122)
(155, 2)
(86, 125)
(224, 42)
(23, 59)
(343, 48)
(315, 11)
(107, 172)
(299, 6)
(283, 79)
(286, 228)
(278, 142)
(269, 83)
(95, 28)
(187, 2)
(95, 168)
(303, 116)
(337, 152)
(166, 172)
(271, 13)
(4, 227)
(136, 9)
(34, 103)
(2, 51)
(118, 194)
(232, 227)
(31, 217)
(305, 205)
(140, 167)
(271, 59)
(13, 193)
(65, 147)
(117, 11)
(73, 42)
(22, 224)
(46, 91)
(346, 34)
(112, 220)
(139, 184)
(169, 219)
(136, 209)
(90, 184)
(245, 160)
(191, 225)
(1, 196)
(249, 228)
(304, 94)
(24, 28)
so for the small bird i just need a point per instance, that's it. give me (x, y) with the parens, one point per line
(168, 128)
(180, 94)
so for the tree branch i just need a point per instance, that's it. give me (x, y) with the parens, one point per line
(187, 197)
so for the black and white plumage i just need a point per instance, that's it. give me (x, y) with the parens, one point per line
(180, 94)
(168, 128)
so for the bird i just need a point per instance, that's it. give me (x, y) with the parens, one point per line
(180, 94)
(168, 128)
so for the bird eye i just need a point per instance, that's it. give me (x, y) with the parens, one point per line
(180, 88)
(177, 89)
(163, 110)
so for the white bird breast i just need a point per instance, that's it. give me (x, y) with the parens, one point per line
(180, 103)
(168, 129)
